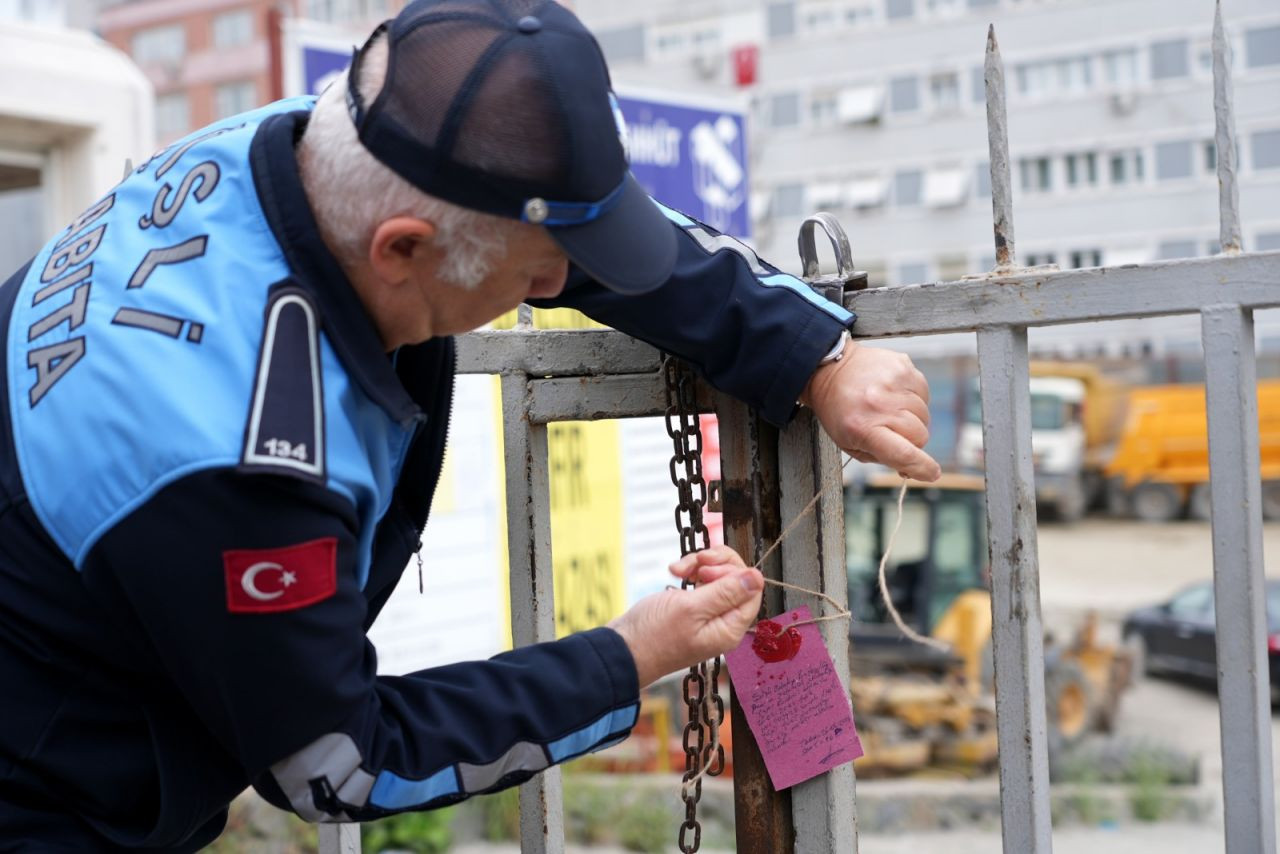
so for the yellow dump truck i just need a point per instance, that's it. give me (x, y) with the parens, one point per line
(1160, 467)
(1076, 415)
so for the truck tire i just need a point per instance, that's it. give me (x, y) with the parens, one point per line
(1271, 499)
(1071, 504)
(1199, 505)
(1115, 497)
(1155, 502)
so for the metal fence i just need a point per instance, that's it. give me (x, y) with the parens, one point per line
(767, 476)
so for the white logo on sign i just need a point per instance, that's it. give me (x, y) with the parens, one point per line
(249, 581)
(718, 178)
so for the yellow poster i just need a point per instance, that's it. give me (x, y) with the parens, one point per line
(585, 474)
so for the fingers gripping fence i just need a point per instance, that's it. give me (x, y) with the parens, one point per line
(767, 476)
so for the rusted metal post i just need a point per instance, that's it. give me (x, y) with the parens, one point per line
(749, 478)
(998, 145)
(532, 593)
(813, 557)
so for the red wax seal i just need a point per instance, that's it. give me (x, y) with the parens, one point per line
(773, 644)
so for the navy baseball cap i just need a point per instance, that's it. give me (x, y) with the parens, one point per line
(505, 107)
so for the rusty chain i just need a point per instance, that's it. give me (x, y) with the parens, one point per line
(701, 683)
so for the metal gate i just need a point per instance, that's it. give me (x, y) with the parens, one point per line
(767, 476)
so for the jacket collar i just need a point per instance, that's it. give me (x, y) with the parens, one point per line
(279, 184)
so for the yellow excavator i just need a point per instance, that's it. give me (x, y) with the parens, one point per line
(919, 709)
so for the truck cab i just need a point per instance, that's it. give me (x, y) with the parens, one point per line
(1058, 443)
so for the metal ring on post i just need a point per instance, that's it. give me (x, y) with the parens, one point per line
(839, 245)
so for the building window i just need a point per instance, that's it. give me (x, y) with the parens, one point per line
(1040, 259)
(978, 85)
(912, 273)
(944, 8)
(160, 44)
(859, 15)
(904, 94)
(788, 200)
(784, 110)
(173, 116)
(1173, 160)
(1169, 60)
(232, 29)
(982, 180)
(1262, 47)
(944, 90)
(1175, 249)
(781, 18)
(980, 4)
(1120, 67)
(898, 9)
(1266, 149)
(1267, 241)
(821, 18)
(822, 108)
(1036, 174)
(908, 187)
(232, 98)
(1082, 169)
(624, 44)
(1085, 258)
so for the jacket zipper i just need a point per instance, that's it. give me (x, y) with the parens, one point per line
(452, 363)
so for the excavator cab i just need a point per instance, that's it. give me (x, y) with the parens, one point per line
(938, 555)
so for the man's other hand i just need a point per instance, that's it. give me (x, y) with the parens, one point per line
(675, 629)
(874, 404)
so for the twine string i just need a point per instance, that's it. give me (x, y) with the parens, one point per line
(841, 611)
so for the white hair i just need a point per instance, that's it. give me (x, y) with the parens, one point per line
(351, 192)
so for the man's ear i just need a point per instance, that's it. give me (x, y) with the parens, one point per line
(400, 245)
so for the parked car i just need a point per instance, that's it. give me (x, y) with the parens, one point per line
(1178, 636)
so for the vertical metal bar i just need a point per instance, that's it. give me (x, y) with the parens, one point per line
(748, 474)
(813, 557)
(532, 603)
(998, 146)
(1224, 139)
(1244, 683)
(339, 839)
(1017, 633)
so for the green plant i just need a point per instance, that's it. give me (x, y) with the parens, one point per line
(420, 832)
(1150, 797)
(645, 826)
(501, 812)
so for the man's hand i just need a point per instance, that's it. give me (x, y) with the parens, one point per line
(875, 405)
(675, 629)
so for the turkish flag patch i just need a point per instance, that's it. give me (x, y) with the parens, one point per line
(262, 581)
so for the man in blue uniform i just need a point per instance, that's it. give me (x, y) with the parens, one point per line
(228, 386)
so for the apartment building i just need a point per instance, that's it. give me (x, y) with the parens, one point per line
(875, 110)
(209, 59)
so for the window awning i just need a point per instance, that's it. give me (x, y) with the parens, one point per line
(866, 192)
(1130, 255)
(945, 188)
(859, 104)
(824, 196)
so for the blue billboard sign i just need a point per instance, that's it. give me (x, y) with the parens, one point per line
(691, 158)
(320, 65)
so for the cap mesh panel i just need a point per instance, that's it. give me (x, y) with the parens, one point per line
(511, 126)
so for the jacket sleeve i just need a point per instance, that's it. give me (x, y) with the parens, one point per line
(751, 330)
(292, 692)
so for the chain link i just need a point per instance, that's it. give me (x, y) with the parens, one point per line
(701, 683)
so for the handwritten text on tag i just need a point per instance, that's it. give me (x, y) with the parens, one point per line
(793, 700)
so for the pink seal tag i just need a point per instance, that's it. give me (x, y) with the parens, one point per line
(793, 700)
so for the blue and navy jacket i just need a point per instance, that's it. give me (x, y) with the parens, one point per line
(211, 479)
